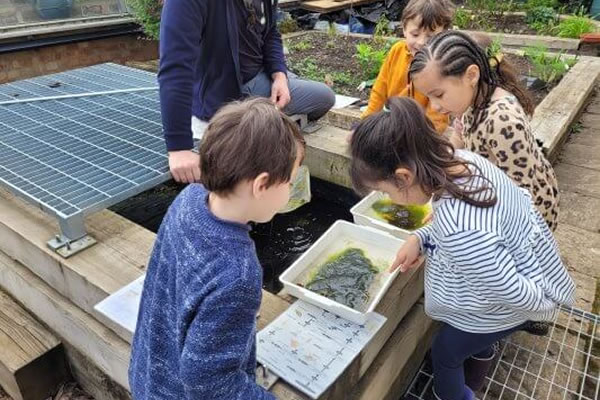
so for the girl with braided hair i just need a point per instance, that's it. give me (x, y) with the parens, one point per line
(459, 79)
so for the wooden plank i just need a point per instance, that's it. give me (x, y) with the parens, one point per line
(92, 379)
(32, 360)
(326, 6)
(326, 155)
(74, 326)
(343, 118)
(285, 4)
(88, 277)
(400, 359)
(550, 42)
(555, 114)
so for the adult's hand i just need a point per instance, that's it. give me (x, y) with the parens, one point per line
(280, 91)
(184, 166)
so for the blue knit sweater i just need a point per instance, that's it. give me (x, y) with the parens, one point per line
(196, 329)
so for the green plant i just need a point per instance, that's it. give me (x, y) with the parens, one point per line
(382, 28)
(495, 48)
(462, 18)
(308, 69)
(147, 13)
(531, 4)
(542, 19)
(288, 25)
(332, 33)
(547, 67)
(488, 13)
(371, 57)
(575, 26)
(540, 14)
(344, 78)
(302, 45)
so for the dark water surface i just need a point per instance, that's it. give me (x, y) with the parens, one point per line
(279, 242)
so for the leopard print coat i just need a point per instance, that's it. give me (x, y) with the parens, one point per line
(504, 137)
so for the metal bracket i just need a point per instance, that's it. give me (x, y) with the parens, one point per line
(66, 248)
(265, 378)
(73, 237)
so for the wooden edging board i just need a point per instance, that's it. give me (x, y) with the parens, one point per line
(62, 292)
(554, 115)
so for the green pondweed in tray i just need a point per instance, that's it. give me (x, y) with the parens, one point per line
(409, 217)
(345, 278)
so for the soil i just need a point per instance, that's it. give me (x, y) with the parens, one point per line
(514, 24)
(341, 58)
(524, 68)
(334, 58)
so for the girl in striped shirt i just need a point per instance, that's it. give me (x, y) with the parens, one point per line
(492, 262)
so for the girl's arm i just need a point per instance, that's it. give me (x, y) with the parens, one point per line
(409, 255)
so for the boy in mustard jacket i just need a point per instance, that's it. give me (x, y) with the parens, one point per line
(421, 19)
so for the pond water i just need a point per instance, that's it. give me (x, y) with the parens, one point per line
(279, 242)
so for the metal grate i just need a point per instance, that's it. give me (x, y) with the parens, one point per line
(72, 151)
(563, 365)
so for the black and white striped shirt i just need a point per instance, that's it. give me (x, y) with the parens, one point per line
(491, 269)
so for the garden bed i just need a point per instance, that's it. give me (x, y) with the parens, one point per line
(335, 61)
(332, 60)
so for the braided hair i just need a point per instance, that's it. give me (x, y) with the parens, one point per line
(454, 52)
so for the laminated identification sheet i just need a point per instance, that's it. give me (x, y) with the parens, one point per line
(309, 347)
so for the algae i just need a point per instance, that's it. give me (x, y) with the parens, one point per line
(345, 278)
(409, 217)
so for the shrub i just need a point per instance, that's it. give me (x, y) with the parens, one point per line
(574, 27)
(462, 18)
(147, 13)
(547, 67)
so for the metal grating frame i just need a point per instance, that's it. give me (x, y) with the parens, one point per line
(79, 141)
(563, 365)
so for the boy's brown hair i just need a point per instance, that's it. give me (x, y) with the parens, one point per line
(433, 13)
(245, 139)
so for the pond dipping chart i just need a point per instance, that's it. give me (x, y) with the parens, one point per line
(310, 347)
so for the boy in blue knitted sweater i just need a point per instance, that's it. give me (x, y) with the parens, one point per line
(195, 334)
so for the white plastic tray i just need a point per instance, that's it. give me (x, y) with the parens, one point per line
(379, 246)
(363, 214)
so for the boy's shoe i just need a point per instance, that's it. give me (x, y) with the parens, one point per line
(476, 370)
(537, 328)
